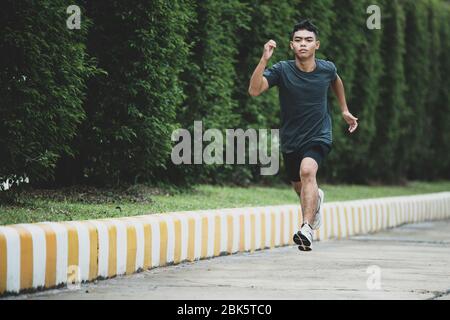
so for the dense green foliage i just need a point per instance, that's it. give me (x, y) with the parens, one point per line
(131, 110)
(43, 73)
(98, 105)
(210, 78)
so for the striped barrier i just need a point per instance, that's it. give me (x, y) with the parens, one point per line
(47, 255)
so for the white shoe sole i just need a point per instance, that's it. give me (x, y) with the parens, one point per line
(302, 241)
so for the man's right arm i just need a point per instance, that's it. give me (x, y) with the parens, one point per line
(258, 83)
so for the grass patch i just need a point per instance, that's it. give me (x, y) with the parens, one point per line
(90, 203)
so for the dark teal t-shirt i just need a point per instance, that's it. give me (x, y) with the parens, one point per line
(305, 118)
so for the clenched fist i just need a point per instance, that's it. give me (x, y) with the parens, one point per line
(269, 47)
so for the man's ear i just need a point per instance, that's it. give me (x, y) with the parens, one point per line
(290, 44)
(317, 45)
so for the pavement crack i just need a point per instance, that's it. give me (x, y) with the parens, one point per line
(438, 294)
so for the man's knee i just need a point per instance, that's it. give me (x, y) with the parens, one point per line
(308, 169)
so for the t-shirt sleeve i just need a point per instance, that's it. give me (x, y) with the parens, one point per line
(273, 75)
(333, 71)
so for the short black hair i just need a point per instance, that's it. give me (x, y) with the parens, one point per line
(305, 24)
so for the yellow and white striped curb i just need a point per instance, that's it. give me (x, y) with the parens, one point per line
(47, 255)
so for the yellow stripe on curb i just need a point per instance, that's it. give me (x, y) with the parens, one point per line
(72, 247)
(347, 226)
(330, 214)
(388, 218)
(360, 220)
(26, 257)
(242, 233)
(204, 251)
(163, 234)
(217, 235)
(252, 232)
(147, 246)
(325, 224)
(131, 249)
(112, 255)
(263, 229)
(272, 231)
(191, 239)
(3, 263)
(375, 213)
(337, 210)
(177, 250)
(368, 218)
(379, 216)
(354, 220)
(230, 229)
(409, 212)
(93, 250)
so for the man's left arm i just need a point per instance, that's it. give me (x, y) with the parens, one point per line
(338, 88)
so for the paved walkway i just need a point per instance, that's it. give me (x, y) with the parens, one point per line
(409, 262)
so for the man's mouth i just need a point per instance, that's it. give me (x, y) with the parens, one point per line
(303, 51)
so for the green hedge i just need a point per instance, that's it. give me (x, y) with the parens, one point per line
(131, 110)
(43, 73)
(98, 105)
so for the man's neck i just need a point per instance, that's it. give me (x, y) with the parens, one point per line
(308, 65)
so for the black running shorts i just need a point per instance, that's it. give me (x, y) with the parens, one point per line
(292, 161)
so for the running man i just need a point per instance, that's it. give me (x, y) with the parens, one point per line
(306, 137)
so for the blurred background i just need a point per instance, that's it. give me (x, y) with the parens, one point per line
(96, 106)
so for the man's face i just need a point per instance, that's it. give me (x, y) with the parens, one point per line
(304, 44)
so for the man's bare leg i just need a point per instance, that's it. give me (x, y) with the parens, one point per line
(309, 190)
(297, 188)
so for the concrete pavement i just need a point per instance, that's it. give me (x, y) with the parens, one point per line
(408, 262)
